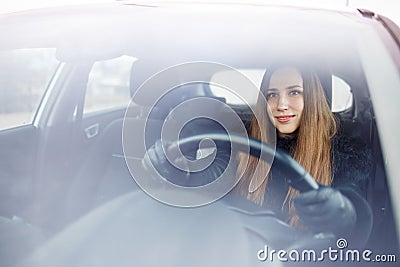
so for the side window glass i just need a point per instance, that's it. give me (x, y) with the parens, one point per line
(254, 75)
(24, 78)
(108, 85)
(342, 97)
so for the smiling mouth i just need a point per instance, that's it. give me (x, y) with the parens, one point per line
(283, 119)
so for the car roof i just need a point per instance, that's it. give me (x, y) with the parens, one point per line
(181, 27)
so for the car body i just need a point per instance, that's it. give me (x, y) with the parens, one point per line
(69, 75)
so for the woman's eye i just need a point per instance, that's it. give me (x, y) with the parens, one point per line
(295, 92)
(271, 95)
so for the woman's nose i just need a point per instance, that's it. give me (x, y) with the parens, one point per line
(283, 103)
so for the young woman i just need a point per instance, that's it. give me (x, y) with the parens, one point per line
(307, 130)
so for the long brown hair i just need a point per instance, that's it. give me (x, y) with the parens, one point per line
(312, 148)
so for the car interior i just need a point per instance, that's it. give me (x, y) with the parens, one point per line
(88, 167)
(97, 172)
(73, 162)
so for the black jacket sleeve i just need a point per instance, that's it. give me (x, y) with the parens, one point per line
(352, 165)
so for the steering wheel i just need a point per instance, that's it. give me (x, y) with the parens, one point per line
(297, 176)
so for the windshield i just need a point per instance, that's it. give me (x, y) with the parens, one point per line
(95, 102)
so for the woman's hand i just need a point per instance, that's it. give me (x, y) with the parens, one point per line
(326, 210)
(156, 157)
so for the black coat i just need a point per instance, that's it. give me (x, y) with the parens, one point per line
(352, 167)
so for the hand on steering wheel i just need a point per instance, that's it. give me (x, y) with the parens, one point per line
(322, 209)
(326, 210)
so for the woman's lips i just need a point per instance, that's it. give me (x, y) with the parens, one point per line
(283, 119)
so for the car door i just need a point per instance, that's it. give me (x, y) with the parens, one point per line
(24, 77)
(88, 96)
(107, 94)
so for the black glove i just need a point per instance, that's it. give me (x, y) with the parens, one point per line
(156, 157)
(326, 210)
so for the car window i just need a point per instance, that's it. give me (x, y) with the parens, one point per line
(342, 97)
(24, 79)
(254, 75)
(108, 85)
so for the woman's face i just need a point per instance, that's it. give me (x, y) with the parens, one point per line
(285, 99)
